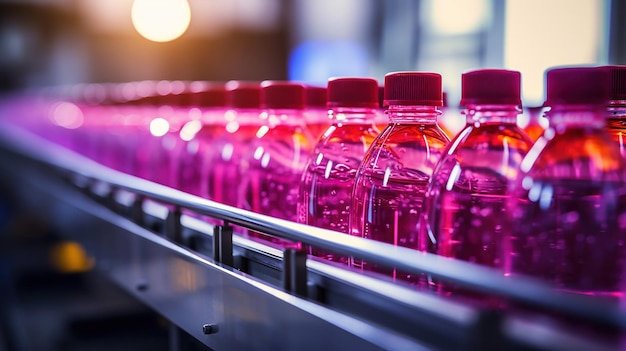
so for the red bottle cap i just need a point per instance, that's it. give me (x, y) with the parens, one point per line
(491, 87)
(577, 86)
(315, 96)
(352, 92)
(242, 94)
(205, 94)
(282, 95)
(413, 88)
(618, 82)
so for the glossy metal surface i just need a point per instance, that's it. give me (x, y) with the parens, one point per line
(246, 301)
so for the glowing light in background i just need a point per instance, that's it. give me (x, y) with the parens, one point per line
(541, 34)
(159, 127)
(161, 20)
(458, 16)
(315, 61)
(67, 115)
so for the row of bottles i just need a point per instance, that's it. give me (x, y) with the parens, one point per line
(551, 205)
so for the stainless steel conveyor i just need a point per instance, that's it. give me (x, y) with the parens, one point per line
(234, 293)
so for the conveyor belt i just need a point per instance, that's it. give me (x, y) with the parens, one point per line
(233, 293)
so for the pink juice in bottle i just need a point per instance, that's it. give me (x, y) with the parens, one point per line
(616, 109)
(207, 118)
(465, 212)
(223, 165)
(273, 166)
(392, 178)
(569, 204)
(327, 182)
(155, 153)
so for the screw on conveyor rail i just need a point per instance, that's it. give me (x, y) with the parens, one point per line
(223, 244)
(208, 329)
(173, 228)
(294, 271)
(136, 211)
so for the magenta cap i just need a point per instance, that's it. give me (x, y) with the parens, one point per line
(277, 94)
(491, 87)
(577, 86)
(352, 92)
(413, 88)
(617, 75)
(243, 94)
(315, 96)
(206, 94)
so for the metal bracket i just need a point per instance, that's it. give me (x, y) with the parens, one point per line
(294, 271)
(223, 244)
(173, 228)
(136, 211)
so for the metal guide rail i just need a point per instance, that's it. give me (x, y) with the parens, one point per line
(186, 258)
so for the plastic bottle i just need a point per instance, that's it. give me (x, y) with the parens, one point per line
(465, 212)
(273, 166)
(536, 122)
(155, 153)
(381, 120)
(616, 109)
(316, 114)
(329, 176)
(207, 120)
(223, 166)
(392, 179)
(569, 207)
(450, 120)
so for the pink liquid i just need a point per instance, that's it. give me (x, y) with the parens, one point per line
(224, 172)
(574, 236)
(472, 224)
(391, 184)
(465, 216)
(192, 167)
(272, 170)
(390, 214)
(329, 178)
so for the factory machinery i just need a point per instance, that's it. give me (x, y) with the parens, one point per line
(185, 258)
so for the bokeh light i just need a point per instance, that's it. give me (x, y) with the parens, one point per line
(161, 20)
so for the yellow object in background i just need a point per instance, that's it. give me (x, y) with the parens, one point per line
(70, 257)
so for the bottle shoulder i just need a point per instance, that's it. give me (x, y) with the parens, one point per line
(577, 153)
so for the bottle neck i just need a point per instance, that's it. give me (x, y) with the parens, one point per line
(289, 117)
(413, 114)
(567, 116)
(492, 114)
(352, 115)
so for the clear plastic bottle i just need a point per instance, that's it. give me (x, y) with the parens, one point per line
(316, 113)
(329, 176)
(155, 153)
(223, 165)
(569, 208)
(465, 212)
(381, 120)
(616, 110)
(278, 153)
(535, 123)
(392, 179)
(208, 101)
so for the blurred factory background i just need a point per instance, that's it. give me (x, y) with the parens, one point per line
(47, 291)
(53, 42)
